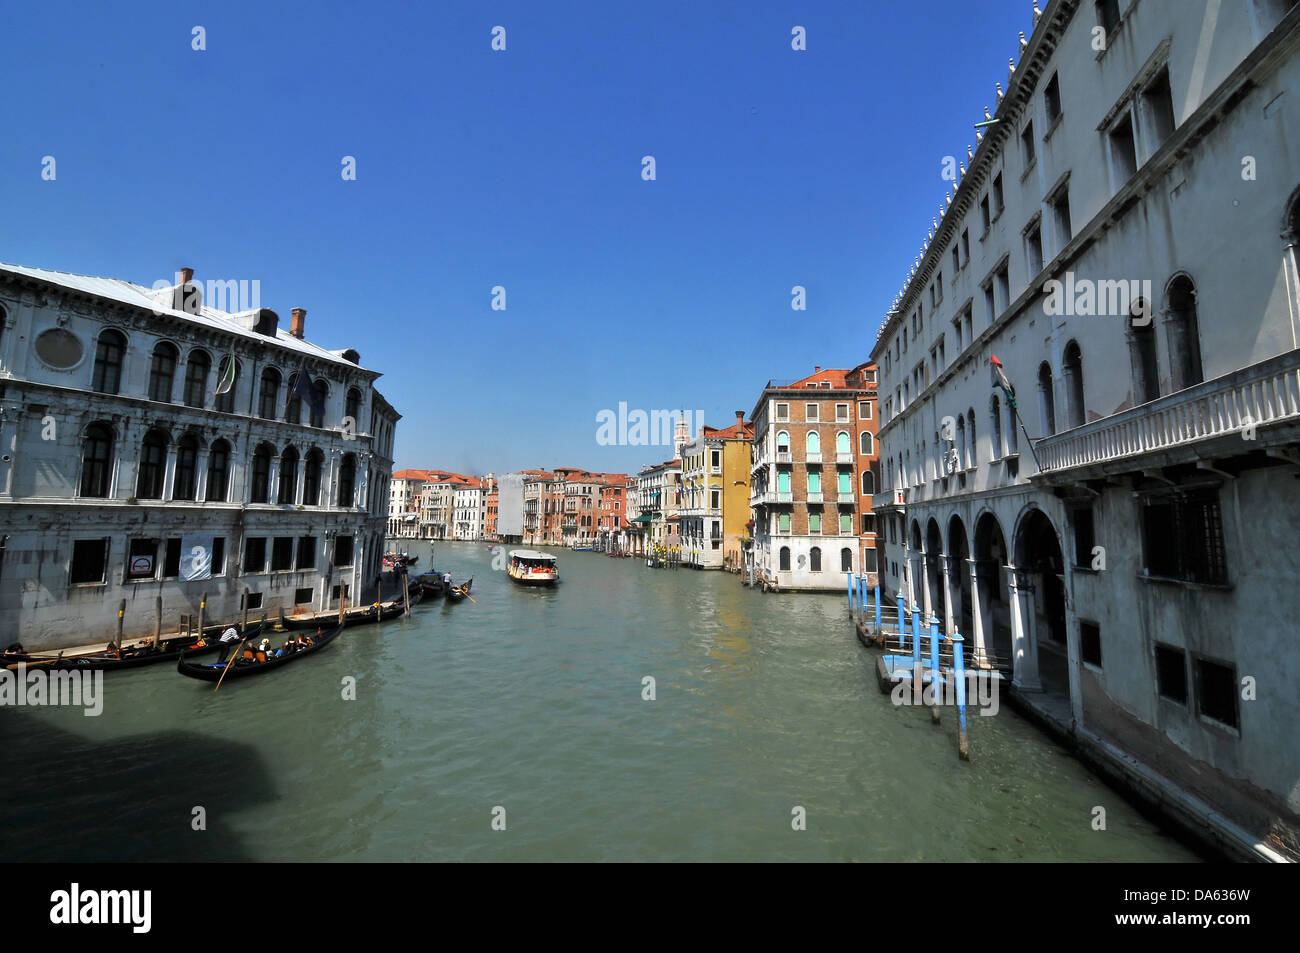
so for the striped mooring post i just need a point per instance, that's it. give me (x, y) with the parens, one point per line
(916, 652)
(963, 744)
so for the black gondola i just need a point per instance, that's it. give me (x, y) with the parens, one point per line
(367, 615)
(241, 667)
(457, 593)
(173, 649)
(429, 583)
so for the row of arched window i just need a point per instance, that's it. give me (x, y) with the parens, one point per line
(815, 559)
(110, 353)
(97, 470)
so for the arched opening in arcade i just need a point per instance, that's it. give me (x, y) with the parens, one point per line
(990, 604)
(1040, 569)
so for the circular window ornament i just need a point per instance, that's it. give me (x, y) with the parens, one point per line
(59, 348)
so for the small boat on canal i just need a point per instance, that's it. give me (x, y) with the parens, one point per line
(359, 615)
(457, 593)
(429, 583)
(131, 656)
(254, 661)
(531, 568)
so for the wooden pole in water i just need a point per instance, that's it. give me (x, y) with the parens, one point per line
(157, 620)
(244, 601)
(203, 612)
(934, 669)
(121, 620)
(406, 595)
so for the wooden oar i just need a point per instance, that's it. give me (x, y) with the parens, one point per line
(465, 592)
(233, 657)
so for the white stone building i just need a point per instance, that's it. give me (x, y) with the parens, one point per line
(125, 477)
(1127, 543)
(470, 516)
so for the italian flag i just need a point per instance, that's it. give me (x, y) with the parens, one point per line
(1000, 380)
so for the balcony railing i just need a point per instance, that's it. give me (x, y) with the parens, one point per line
(814, 456)
(814, 497)
(783, 456)
(847, 498)
(843, 458)
(1264, 393)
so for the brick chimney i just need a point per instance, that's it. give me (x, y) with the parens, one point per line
(817, 369)
(297, 321)
(740, 418)
(186, 275)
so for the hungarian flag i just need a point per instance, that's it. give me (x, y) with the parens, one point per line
(1000, 380)
(227, 380)
(304, 388)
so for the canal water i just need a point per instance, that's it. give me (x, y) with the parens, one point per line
(528, 706)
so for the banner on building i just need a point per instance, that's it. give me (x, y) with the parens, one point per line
(196, 558)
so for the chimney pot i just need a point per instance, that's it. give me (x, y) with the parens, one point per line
(817, 369)
(297, 321)
(186, 275)
(740, 417)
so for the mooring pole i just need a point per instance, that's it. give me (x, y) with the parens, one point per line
(157, 620)
(203, 612)
(917, 680)
(934, 668)
(902, 621)
(963, 744)
(244, 626)
(862, 594)
(850, 580)
(121, 620)
(879, 633)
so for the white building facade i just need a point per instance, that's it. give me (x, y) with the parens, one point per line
(1123, 242)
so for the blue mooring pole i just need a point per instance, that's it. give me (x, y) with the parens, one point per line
(916, 653)
(879, 634)
(963, 745)
(902, 621)
(935, 685)
(862, 593)
(850, 582)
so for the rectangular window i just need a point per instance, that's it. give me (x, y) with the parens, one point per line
(302, 597)
(846, 524)
(142, 559)
(89, 561)
(1028, 150)
(343, 551)
(783, 523)
(282, 554)
(985, 218)
(1052, 100)
(255, 554)
(1061, 216)
(172, 561)
(868, 523)
(1003, 279)
(1090, 643)
(715, 460)
(1216, 691)
(1158, 104)
(938, 285)
(1123, 151)
(869, 562)
(1171, 673)
(841, 413)
(1034, 249)
(1084, 538)
(811, 412)
(1182, 538)
(219, 556)
(956, 259)
(1107, 15)
(334, 593)
(814, 524)
(864, 410)
(965, 244)
(254, 600)
(306, 552)
(715, 499)
(782, 411)
(990, 307)
(999, 199)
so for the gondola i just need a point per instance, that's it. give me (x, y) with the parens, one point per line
(213, 672)
(106, 661)
(429, 583)
(367, 615)
(457, 593)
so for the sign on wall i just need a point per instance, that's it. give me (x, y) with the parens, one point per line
(196, 558)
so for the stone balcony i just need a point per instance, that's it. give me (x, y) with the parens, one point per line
(1262, 395)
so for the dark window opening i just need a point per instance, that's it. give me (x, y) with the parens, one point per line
(343, 551)
(307, 552)
(1171, 673)
(302, 597)
(89, 561)
(1216, 691)
(1081, 519)
(282, 554)
(1090, 643)
(255, 554)
(1182, 538)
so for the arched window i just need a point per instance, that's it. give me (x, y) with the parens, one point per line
(162, 372)
(347, 481)
(972, 448)
(785, 559)
(97, 460)
(270, 394)
(866, 443)
(311, 478)
(354, 407)
(185, 482)
(109, 355)
(1013, 441)
(218, 472)
(153, 464)
(995, 422)
(1184, 334)
(318, 409)
(814, 445)
(1046, 400)
(868, 482)
(227, 378)
(815, 559)
(288, 475)
(196, 378)
(1072, 371)
(782, 442)
(961, 443)
(293, 402)
(1142, 356)
(842, 443)
(846, 560)
(260, 488)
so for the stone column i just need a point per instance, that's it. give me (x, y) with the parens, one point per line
(951, 583)
(201, 474)
(1024, 638)
(169, 472)
(923, 561)
(273, 480)
(977, 605)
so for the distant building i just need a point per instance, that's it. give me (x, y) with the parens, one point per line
(715, 496)
(404, 503)
(157, 447)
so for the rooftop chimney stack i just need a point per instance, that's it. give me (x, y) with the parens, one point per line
(297, 322)
(186, 275)
(817, 369)
(740, 418)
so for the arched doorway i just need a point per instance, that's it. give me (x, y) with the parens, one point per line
(959, 577)
(938, 602)
(1040, 599)
(990, 603)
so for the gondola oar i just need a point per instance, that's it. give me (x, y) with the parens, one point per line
(234, 655)
(466, 594)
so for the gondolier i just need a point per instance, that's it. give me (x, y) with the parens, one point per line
(228, 639)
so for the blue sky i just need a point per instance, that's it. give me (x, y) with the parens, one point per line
(520, 168)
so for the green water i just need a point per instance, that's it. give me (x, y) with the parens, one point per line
(531, 700)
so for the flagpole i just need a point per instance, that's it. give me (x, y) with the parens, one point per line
(1005, 385)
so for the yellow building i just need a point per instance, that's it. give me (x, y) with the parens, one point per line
(715, 496)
